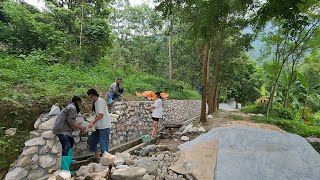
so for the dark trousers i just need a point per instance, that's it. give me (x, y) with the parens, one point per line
(67, 142)
(99, 136)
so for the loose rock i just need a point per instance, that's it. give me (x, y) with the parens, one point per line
(132, 173)
(107, 159)
(185, 138)
(149, 165)
(11, 131)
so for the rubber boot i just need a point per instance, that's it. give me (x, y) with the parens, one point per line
(65, 163)
(70, 154)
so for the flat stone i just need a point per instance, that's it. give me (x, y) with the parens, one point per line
(48, 135)
(57, 148)
(31, 150)
(37, 123)
(46, 161)
(24, 161)
(11, 131)
(107, 159)
(35, 142)
(149, 165)
(16, 174)
(132, 173)
(36, 173)
(185, 138)
(48, 125)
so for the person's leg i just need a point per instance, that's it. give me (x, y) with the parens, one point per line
(65, 143)
(93, 142)
(71, 140)
(104, 140)
(121, 90)
(65, 158)
(154, 127)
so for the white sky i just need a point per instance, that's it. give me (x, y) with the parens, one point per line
(40, 3)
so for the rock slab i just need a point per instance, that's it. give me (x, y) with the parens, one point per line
(261, 154)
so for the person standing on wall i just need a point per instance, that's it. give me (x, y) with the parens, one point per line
(64, 125)
(102, 123)
(157, 112)
(115, 90)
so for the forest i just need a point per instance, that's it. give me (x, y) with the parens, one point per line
(49, 54)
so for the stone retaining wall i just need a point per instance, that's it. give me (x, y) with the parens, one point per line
(130, 120)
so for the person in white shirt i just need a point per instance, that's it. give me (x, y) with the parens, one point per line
(157, 112)
(102, 123)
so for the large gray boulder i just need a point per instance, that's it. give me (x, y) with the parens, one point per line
(250, 153)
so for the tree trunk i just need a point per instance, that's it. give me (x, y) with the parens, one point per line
(270, 103)
(81, 25)
(286, 97)
(170, 51)
(214, 81)
(203, 116)
(216, 99)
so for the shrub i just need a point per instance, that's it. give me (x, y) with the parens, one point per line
(291, 126)
(284, 113)
(254, 109)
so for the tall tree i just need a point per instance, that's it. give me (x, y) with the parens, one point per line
(203, 16)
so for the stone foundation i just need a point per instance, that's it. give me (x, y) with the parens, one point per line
(130, 120)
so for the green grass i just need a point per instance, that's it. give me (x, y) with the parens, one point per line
(31, 78)
(291, 126)
(236, 117)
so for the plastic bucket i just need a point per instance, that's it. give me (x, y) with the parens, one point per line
(145, 138)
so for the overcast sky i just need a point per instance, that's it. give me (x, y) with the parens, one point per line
(40, 3)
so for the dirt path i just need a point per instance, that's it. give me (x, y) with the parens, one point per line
(221, 118)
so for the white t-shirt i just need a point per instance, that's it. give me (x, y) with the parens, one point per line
(101, 107)
(157, 112)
